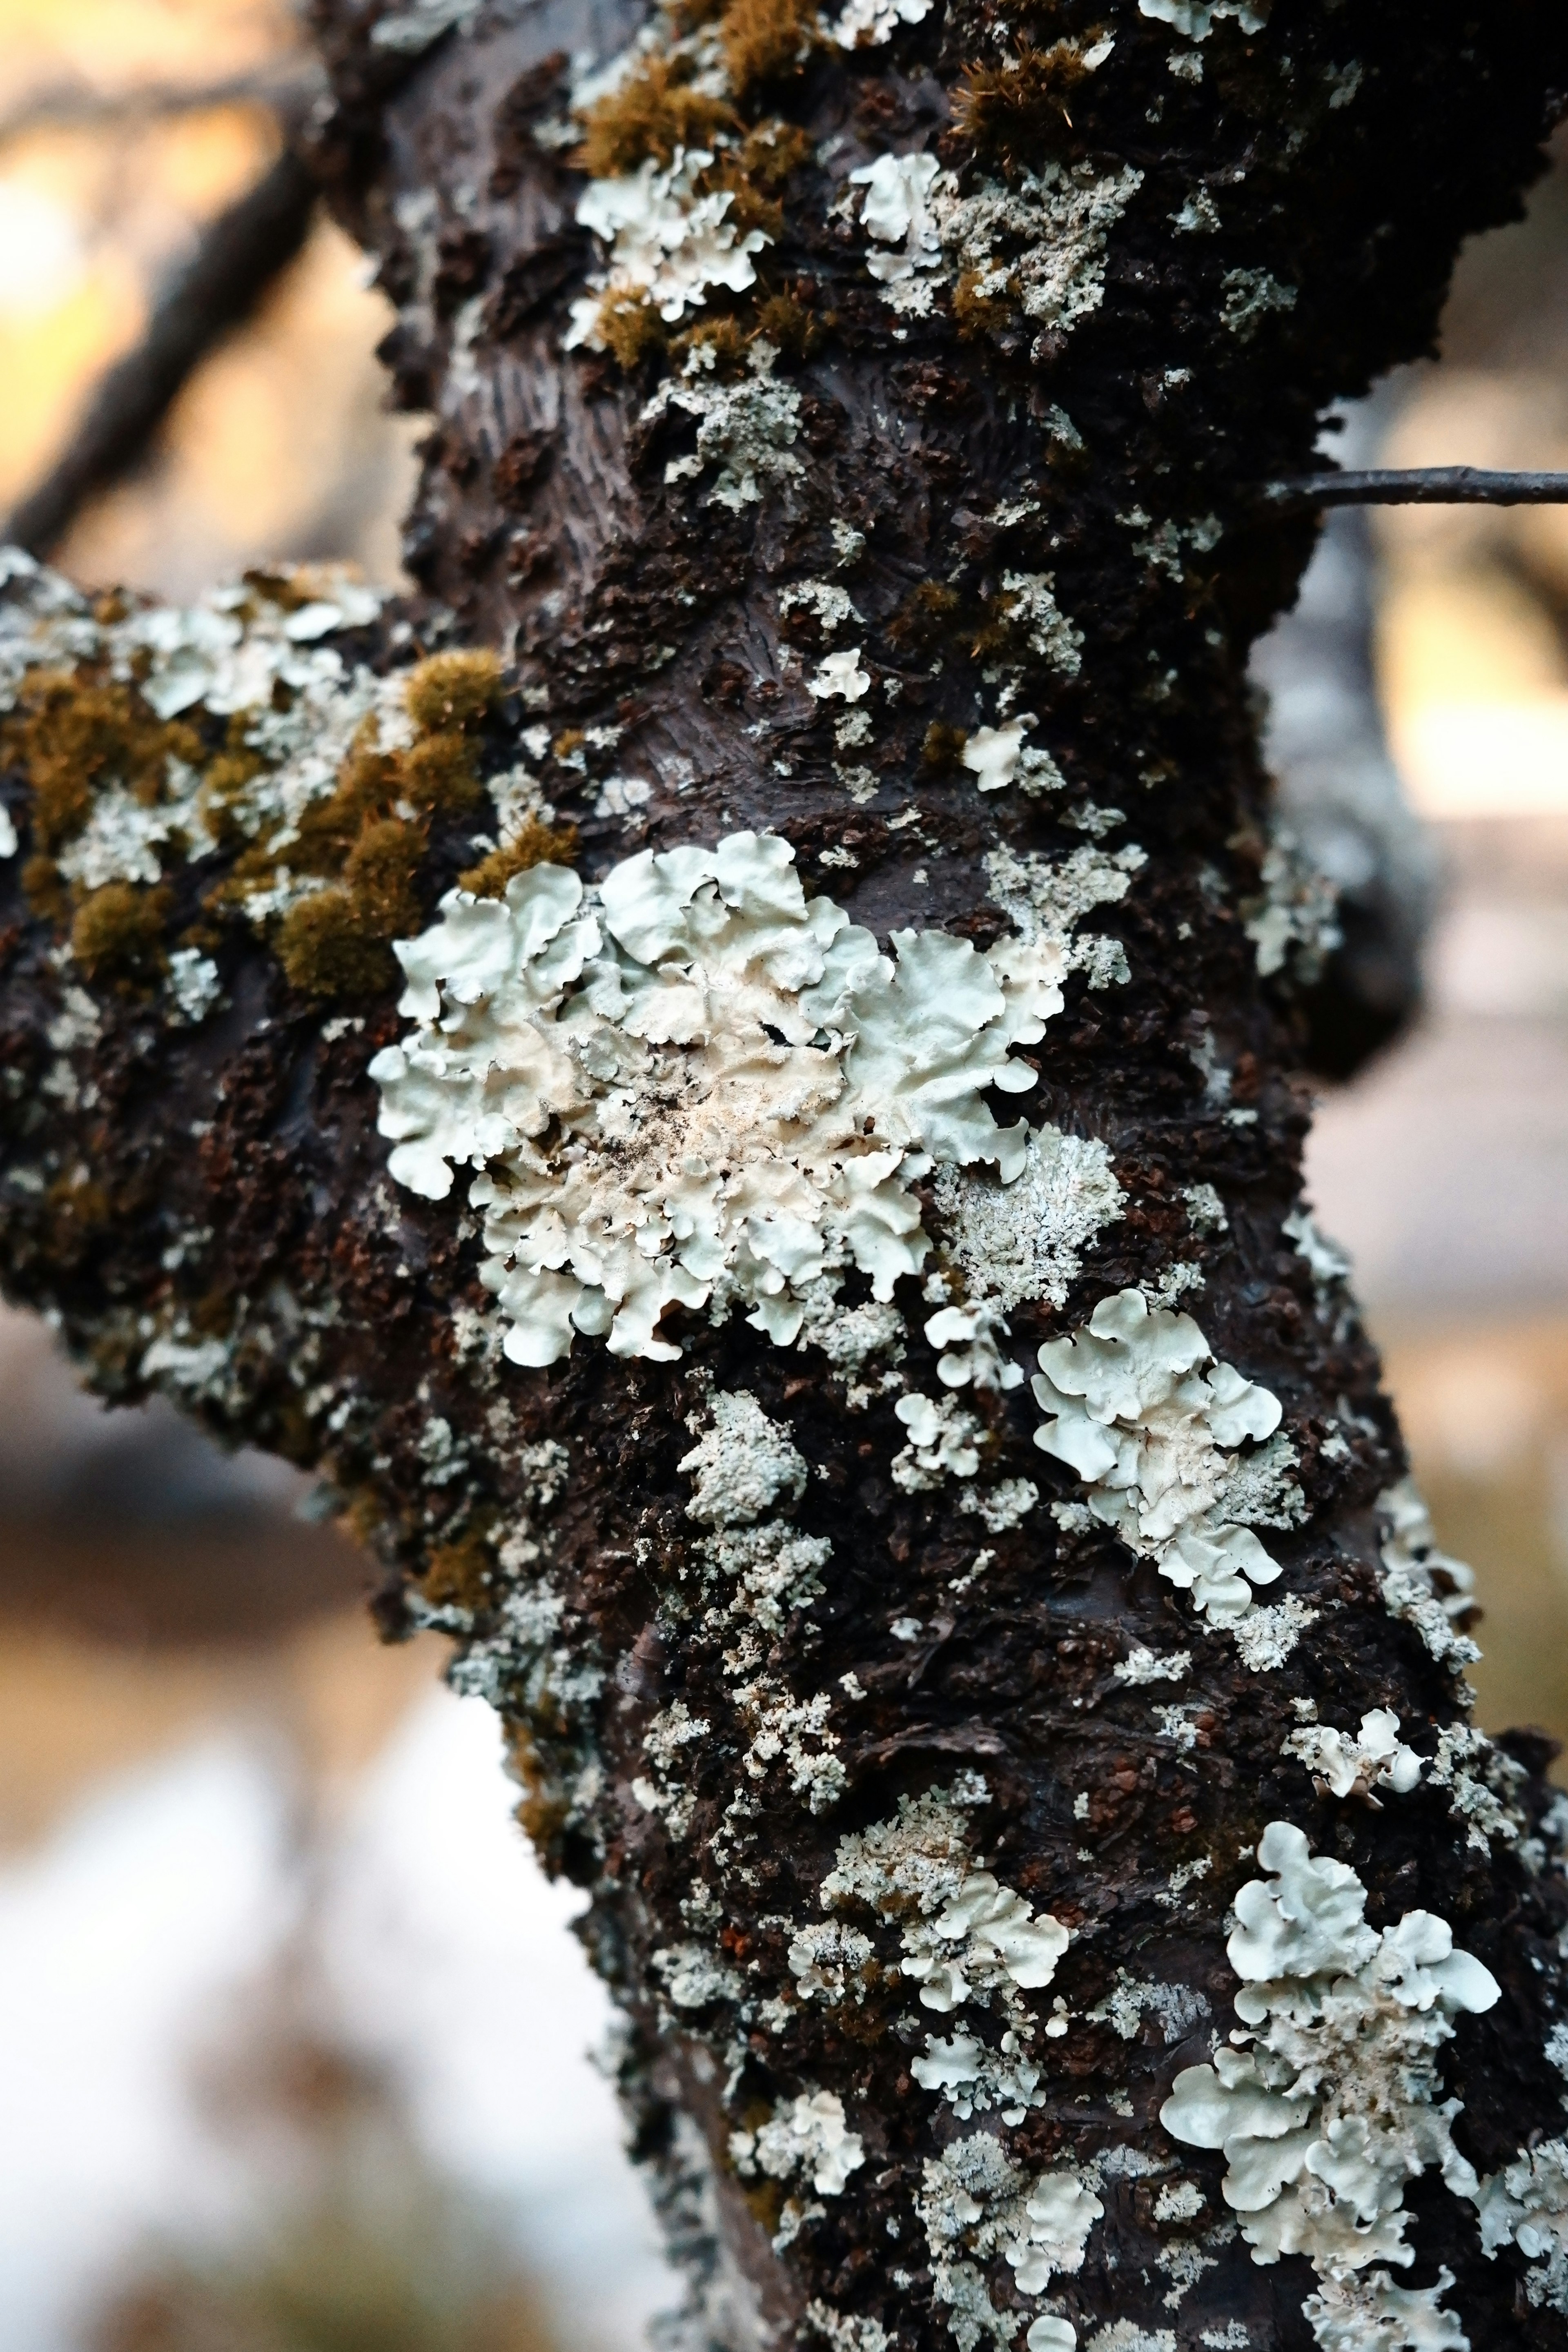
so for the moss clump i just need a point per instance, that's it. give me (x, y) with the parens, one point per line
(977, 314)
(543, 1810)
(337, 942)
(925, 618)
(1014, 115)
(452, 690)
(630, 329)
(366, 841)
(766, 42)
(786, 322)
(942, 749)
(44, 887)
(73, 735)
(118, 932)
(534, 843)
(653, 112)
(457, 1575)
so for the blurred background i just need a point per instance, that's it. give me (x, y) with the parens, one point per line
(295, 2055)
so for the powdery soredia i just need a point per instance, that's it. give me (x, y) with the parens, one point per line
(1155, 1438)
(689, 1085)
(1329, 2100)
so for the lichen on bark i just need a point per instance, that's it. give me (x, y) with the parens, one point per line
(877, 491)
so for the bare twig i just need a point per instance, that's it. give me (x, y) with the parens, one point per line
(1420, 486)
(287, 91)
(240, 255)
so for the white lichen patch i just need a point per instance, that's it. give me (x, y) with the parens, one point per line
(975, 2203)
(897, 217)
(984, 1937)
(1141, 1666)
(745, 430)
(242, 654)
(869, 23)
(965, 1937)
(1296, 921)
(742, 1465)
(1025, 1240)
(692, 1087)
(1357, 1764)
(1370, 2313)
(1266, 1637)
(1421, 1584)
(999, 756)
(1250, 296)
(972, 2076)
(665, 1744)
(831, 605)
(1526, 2205)
(667, 244)
(805, 2135)
(913, 1863)
(1038, 245)
(942, 1442)
(1195, 19)
(1155, 1440)
(1482, 1783)
(830, 1961)
(1328, 2099)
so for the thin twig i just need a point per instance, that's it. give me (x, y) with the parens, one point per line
(286, 90)
(240, 255)
(1420, 486)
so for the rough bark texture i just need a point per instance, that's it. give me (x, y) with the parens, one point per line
(220, 1187)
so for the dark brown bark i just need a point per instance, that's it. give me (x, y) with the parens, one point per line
(230, 1175)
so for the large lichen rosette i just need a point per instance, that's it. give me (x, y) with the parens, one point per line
(691, 1084)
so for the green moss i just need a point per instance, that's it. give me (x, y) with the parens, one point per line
(118, 932)
(73, 734)
(453, 690)
(630, 329)
(766, 42)
(652, 113)
(942, 749)
(534, 843)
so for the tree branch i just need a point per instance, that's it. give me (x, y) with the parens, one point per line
(287, 91)
(240, 255)
(1419, 485)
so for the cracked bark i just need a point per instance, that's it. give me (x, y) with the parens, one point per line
(227, 1179)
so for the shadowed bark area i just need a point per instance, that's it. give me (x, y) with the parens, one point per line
(1022, 508)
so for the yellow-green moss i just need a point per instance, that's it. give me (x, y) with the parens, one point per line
(976, 314)
(766, 42)
(787, 323)
(630, 329)
(457, 1575)
(73, 734)
(534, 843)
(456, 689)
(44, 887)
(545, 1810)
(116, 933)
(654, 111)
(942, 746)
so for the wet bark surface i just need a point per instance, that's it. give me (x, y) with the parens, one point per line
(231, 1174)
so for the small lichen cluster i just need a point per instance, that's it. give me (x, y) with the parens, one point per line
(692, 1087)
(1156, 1439)
(1328, 2100)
